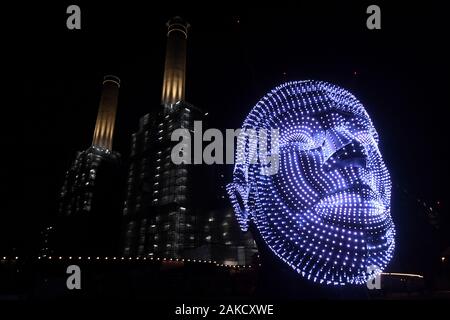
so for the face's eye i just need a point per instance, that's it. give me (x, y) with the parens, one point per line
(300, 139)
(334, 140)
(366, 138)
(362, 130)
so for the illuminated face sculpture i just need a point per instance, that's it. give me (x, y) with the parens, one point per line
(326, 212)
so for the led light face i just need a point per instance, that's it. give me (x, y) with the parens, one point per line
(326, 213)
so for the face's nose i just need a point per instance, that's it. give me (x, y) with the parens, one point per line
(342, 150)
(352, 155)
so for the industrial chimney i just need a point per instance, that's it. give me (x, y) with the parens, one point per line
(175, 65)
(104, 127)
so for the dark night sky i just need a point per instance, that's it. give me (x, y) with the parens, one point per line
(235, 55)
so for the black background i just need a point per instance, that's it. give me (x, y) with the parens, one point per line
(236, 53)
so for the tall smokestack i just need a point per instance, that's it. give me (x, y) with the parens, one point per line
(175, 66)
(104, 127)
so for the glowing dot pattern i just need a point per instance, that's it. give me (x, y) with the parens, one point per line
(326, 213)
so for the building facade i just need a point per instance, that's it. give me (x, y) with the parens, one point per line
(88, 218)
(175, 210)
(159, 217)
(159, 214)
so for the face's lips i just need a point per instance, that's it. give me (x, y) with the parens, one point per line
(349, 200)
(355, 192)
(360, 199)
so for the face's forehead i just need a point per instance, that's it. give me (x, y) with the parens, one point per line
(311, 104)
